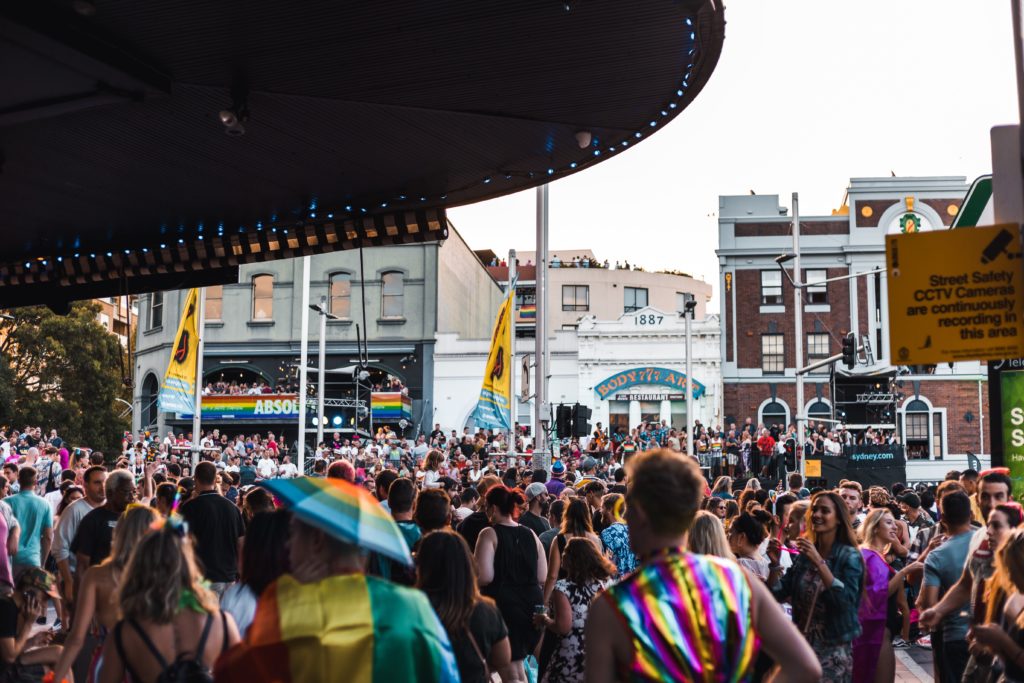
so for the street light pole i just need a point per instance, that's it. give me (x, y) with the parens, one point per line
(687, 315)
(322, 372)
(513, 399)
(541, 410)
(303, 365)
(798, 326)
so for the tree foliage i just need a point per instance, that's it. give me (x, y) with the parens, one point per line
(64, 373)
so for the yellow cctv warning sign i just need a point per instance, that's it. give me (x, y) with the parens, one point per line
(955, 295)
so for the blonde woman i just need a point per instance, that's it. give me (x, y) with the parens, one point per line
(879, 610)
(707, 536)
(166, 611)
(432, 469)
(96, 607)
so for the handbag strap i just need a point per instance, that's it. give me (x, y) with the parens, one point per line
(479, 653)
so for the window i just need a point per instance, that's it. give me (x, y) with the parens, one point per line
(818, 349)
(937, 433)
(681, 298)
(771, 288)
(915, 430)
(214, 302)
(650, 411)
(263, 297)
(618, 417)
(772, 357)
(341, 295)
(575, 298)
(817, 290)
(156, 310)
(636, 298)
(819, 410)
(392, 288)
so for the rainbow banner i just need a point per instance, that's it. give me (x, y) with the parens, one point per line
(528, 312)
(270, 407)
(349, 627)
(390, 406)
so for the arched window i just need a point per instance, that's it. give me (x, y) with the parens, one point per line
(392, 294)
(774, 413)
(819, 410)
(263, 297)
(341, 295)
(150, 391)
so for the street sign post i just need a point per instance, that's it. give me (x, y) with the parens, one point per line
(955, 295)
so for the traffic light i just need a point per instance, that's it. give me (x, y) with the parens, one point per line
(850, 350)
(563, 421)
(580, 420)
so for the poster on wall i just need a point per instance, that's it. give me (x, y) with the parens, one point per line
(1011, 386)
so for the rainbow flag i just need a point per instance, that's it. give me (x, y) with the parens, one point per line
(343, 628)
(390, 405)
(528, 312)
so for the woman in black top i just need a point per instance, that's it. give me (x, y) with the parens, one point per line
(445, 572)
(511, 567)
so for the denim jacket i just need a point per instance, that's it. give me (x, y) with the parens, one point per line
(835, 619)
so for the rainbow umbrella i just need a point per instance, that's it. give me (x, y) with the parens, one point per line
(344, 511)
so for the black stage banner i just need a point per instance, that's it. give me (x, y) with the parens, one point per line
(868, 465)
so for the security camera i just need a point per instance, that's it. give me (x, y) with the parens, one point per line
(228, 118)
(584, 138)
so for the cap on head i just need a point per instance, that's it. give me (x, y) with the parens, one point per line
(558, 468)
(535, 489)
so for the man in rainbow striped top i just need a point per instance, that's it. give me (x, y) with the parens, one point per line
(682, 616)
(328, 621)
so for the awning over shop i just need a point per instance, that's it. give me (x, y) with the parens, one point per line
(148, 145)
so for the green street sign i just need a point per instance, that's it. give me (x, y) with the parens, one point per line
(977, 207)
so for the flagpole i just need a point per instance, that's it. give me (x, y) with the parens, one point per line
(513, 400)
(197, 414)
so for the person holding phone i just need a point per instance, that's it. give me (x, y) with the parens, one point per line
(19, 649)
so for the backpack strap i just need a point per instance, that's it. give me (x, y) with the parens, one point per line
(148, 643)
(201, 646)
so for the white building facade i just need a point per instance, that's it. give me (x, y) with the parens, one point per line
(627, 371)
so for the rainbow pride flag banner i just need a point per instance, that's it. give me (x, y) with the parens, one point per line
(390, 406)
(243, 407)
(528, 312)
(342, 628)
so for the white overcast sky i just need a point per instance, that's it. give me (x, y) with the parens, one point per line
(806, 95)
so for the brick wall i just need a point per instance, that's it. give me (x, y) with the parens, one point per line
(958, 397)
(751, 323)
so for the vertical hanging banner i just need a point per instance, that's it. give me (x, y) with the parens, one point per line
(494, 407)
(177, 392)
(1011, 385)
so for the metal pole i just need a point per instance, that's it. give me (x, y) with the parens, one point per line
(798, 329)
(303, 365)
(687, 315)
(513, 399)
(541, 410)
(197, 414)
(322, 372)
(1018, 56)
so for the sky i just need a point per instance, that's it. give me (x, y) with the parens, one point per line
(806, 95)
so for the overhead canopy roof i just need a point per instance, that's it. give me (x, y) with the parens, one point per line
(362, 122)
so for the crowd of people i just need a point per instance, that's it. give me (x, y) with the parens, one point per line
(613, 563)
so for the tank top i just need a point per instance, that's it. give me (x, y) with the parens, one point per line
(690, 618)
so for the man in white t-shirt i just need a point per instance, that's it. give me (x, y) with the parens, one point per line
(266, 468)
(287, 470)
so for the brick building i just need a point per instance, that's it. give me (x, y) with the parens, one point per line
(940, 413)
